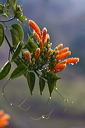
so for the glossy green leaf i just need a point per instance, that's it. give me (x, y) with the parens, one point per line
(20, 70)
(51, 85)
(41, 84)
(52, 79)
(17, 51)
(5, 70)
(1, 34)
(31, 81)
(17, 33)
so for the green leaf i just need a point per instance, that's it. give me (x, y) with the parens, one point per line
(1, 34)
(51, 85)
(20, 70)
(17, 51)
(5, 70)
(31, 46)
(17, 33)
(52, 79)
(41, 84)
(31, 81)
(11, 1)
(1, 8)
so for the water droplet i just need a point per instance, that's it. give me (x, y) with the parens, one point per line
(43, 116)
(72, 63)
(2, 94)
(10, 103)
(56, 88)
(49, 97)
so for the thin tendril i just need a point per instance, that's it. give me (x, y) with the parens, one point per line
(43, 115)
(19, 106)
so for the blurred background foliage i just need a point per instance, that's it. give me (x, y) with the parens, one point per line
(65, 21)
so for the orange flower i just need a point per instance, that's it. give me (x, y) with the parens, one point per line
(37, 53)
(4, 119)
(35, 27)
(44, 32)
(48, 53)
(47, 39)
(59, 47)
(72, 60)
(58, 67)
(36, 36)
(63, 50)
(27, 55)
(63, 55)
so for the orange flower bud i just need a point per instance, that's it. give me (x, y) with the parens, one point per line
(47, 38)
(72, 60)
(37, 53)
(36, 36)
(63, 50)
(59, 47)
(27, 55)
(35, 27)
(59, 67)
(63, 55)
(4, 119)
(48, 53)
(44, 32)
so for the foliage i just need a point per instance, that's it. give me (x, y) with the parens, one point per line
(34, 57)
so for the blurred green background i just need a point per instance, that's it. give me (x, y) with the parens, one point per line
(65, 21)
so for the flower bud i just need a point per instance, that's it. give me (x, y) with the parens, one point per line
(63, 50)
(72, 60)
(36, 36)
(44, 32)
(27, 56)
(63, 55)
(35, 27)
(37, 53)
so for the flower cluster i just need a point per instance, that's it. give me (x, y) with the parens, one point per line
(53, 59)
(4, 119)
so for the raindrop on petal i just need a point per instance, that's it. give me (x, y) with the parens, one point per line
(72, 63)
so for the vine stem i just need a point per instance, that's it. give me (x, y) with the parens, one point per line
(8, 20)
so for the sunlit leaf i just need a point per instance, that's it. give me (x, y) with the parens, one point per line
(31, 80)
(1, 34)
(5, 70)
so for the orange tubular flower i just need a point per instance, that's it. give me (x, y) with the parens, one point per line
(44, 32)
(63, 55)
(59, 47)
(36, 36)
(35, 27)
(63, 50)
(48, 53)
(72, 60)
(58, 67)
(4, 119)
(27, 55)
(37, 53)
